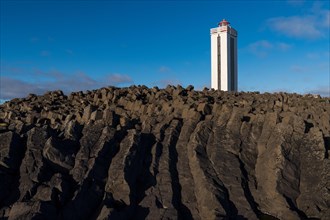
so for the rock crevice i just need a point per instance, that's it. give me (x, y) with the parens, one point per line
(173, 153)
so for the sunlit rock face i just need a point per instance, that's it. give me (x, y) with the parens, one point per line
(173, 153)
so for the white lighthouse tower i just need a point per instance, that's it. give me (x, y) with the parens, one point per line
(224, 57)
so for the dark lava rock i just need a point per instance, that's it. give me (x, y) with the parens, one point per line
(173, 153)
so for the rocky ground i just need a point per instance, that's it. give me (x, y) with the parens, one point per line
(174, 153)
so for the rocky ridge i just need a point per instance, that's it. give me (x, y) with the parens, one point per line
(173, 153)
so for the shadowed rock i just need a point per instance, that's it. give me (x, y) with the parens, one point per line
(173, 153)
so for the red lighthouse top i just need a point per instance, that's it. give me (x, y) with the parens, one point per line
(224, 22)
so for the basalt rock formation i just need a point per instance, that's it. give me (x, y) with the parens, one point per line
(173, 153)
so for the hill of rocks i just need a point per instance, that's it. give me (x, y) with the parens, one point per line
(173, 153)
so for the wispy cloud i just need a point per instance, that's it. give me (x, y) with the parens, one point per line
(326, 18)
(298, 68)
(12, 88)
(283, 46)
(117, 78)
(312, 25)
(312, 55)
(78, 81)
(262, 48)
(296, 26)
(323, 91)
(52, 74)
(165, 82)
(164, 69)
(54, 80)
(10, 69)
(38, 39)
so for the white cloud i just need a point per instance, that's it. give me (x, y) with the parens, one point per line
(296, 26)
(313, 25)
(12, 88)
(55, 80)
(262, 48)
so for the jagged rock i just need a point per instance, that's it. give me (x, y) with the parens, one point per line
(73, 130)
(96, 115)
(11, 153)
(32, 210)
(11, 150)
(3, 127)
(59, 155)
(87, 113)
(173, 153)
(204, 108)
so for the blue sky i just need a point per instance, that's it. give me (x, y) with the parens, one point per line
(82, 45)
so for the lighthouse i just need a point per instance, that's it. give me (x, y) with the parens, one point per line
(224, 57)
